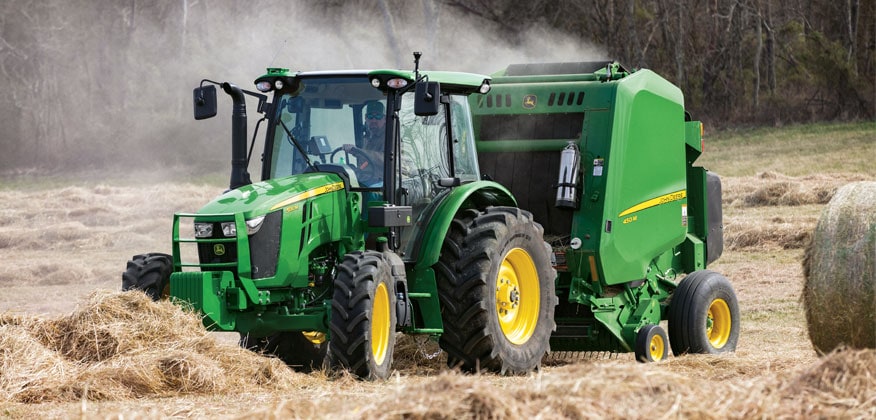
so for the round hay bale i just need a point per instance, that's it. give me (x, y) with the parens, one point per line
(839, 266)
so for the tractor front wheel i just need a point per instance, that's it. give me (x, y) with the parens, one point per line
(303, 351)
(703, 315)
(149, 273)
(496, 287)
(363, 316)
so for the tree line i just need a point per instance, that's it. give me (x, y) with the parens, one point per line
(98, 83)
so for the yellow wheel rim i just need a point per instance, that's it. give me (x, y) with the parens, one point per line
(718, 323)
(380, 328)
(314, 337)
(517, 296)
(657, 347)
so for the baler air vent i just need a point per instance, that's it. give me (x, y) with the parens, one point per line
(498, 100)
(565, 99)
(566, 126)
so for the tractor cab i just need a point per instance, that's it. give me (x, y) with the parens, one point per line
(399, 148)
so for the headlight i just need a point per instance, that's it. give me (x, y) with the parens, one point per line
(375, 82)
(396, 83)
(485, 87)
(203, 230)
(253, 225)
(229, 229)
(264, 86)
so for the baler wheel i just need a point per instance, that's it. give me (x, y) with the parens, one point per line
(149, 273)
(704, 315)
(652, 344)
(302, 351)
(363, 316)
(496, 287)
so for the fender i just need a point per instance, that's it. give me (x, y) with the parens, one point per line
(484, 192)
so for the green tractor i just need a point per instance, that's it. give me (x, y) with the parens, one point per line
(370, 219)
(604, 159)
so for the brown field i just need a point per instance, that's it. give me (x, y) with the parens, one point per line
(73, 346)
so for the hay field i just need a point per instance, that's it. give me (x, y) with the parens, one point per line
(71, 345)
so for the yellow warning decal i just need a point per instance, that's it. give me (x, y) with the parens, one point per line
(663, 199)
(313, 192)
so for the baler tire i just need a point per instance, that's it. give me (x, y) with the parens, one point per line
(149, 273)
(363, 318)
(487, 262)
(652, 344)
(703, 315)
(292, 347)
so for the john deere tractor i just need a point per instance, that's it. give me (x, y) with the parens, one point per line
(336, 248)
(604, 159)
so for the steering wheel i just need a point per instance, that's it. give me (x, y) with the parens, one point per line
(365, 168)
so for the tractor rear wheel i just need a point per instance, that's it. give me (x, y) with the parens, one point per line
(149, 273)
(303, 351)
(652, 345)
(363, 316)
(703, 315)
(496, 287)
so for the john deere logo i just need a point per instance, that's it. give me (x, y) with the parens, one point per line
(529, 101)
(219, 249)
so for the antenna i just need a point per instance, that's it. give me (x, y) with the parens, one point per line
(417, 55)
(277, 53)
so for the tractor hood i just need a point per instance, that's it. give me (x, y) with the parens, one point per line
(264, 197)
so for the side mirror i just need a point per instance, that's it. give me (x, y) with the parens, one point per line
(204, 99)
(427, 98)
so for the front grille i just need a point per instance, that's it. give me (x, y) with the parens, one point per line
(215, 252)
(264, 246)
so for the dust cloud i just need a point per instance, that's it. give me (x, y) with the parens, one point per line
(111, 89)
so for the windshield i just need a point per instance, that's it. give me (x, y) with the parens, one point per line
(329, 121)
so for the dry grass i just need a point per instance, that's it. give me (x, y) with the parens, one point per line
(123, 346)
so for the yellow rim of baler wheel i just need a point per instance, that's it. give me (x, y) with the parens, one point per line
(380, 328)
(718, 323)
(517, 296)
(657, 347)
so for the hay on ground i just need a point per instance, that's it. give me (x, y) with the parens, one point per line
(120, 346)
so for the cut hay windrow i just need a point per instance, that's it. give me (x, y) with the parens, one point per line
(118, 346)
(841, 385)
(839, 291)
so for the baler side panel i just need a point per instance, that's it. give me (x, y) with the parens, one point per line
(645, 195)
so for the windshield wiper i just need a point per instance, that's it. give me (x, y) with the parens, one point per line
(298, 146)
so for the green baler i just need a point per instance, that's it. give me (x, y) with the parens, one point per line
(335, 250)
(604, 159)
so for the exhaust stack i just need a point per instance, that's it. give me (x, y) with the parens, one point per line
(239, 174)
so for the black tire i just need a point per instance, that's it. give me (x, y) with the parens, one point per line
(363, 318)
(292, 347)
(703, 315)
(488, 260)
(652, 344)
(149, 273)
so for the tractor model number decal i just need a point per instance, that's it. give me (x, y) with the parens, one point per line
(529, 101)
(313, 192)
(663, 199)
